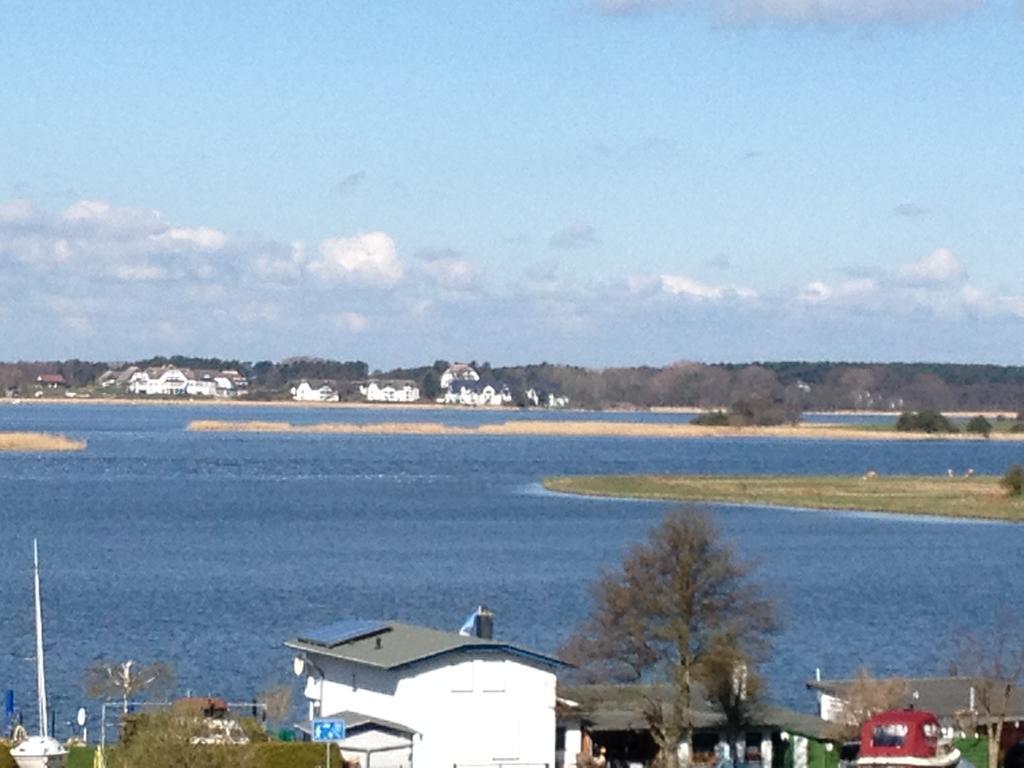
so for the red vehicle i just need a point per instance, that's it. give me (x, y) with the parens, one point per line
(905, 738)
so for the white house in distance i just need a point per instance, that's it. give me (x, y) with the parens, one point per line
(307, 393)
(162, 381)
(390, 391)
(466, 392)
(458, 372)
(416, 696)
(169, 381)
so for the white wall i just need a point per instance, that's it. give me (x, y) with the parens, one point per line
(468, 711)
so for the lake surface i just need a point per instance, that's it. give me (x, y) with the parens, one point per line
(208, 550)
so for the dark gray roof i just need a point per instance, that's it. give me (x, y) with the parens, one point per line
(356, 722)
(393, 645)
(612, 707)
(946, 697)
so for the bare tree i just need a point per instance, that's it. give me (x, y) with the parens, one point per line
(681, 605)
(277, 702)
(996, 666)
(126, 680)
(865, 697)
(733, 686)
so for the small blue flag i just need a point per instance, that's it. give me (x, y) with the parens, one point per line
(469, 626)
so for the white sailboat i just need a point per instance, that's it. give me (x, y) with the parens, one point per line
(42, 751)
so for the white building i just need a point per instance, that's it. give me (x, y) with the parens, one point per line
(463, 392)
(423, 697)
(169, 381)
(210, 384)
(547, 399)
(158, 381)
(458, 372)
(201, 388)
(307, 393)
(390, 391)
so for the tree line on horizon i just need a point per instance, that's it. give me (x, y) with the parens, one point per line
(792, 386)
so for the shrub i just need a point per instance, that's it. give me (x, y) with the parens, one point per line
(979, 425)
(279, 754)
(1018, 427)
(711, 419)
(1013, 480)
(759, 412)
(924, 421)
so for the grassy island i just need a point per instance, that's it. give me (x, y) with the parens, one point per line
(967, 497)
(581, 428)
(31, 442)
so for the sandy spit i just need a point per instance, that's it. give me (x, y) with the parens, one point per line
(31, 442)
(580, 429)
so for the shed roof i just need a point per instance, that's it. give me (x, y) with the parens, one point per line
(392, 645)
(947, 697)
(614, 707)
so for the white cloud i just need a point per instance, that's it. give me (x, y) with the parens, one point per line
(370, 257)
(818, 292)
(78, 325)
(13, 211)
(278, 267)
(132, 272)
(939, 266)
(680, 285)
(87, 210)
(202, 238)
(800, 11)
(99, 217)
(447, 268)
(350, 321)
(677, 284)
(257, 312)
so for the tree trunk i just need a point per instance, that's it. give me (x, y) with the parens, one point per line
(682, 716)
(995, 736)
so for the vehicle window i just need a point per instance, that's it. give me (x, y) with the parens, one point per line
(889, 735)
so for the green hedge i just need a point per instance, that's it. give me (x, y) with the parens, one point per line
(295, 754)
(80, 757)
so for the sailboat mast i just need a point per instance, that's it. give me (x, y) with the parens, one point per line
(44, 725)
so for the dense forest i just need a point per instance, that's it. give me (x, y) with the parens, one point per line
(799, 386)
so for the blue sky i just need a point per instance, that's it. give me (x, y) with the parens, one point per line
(588, 181)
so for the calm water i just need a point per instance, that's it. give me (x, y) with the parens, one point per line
(209, 550)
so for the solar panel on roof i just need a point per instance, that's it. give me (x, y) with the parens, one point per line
(343, 631)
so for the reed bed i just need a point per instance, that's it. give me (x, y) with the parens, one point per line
(542, 428)
(31, 442)
(968, 497)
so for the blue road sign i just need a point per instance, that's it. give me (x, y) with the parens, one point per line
(328, 730)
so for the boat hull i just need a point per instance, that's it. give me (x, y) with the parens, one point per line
(39, 752)
(947, 760)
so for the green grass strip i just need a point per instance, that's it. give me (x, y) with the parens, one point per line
(980, 497)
